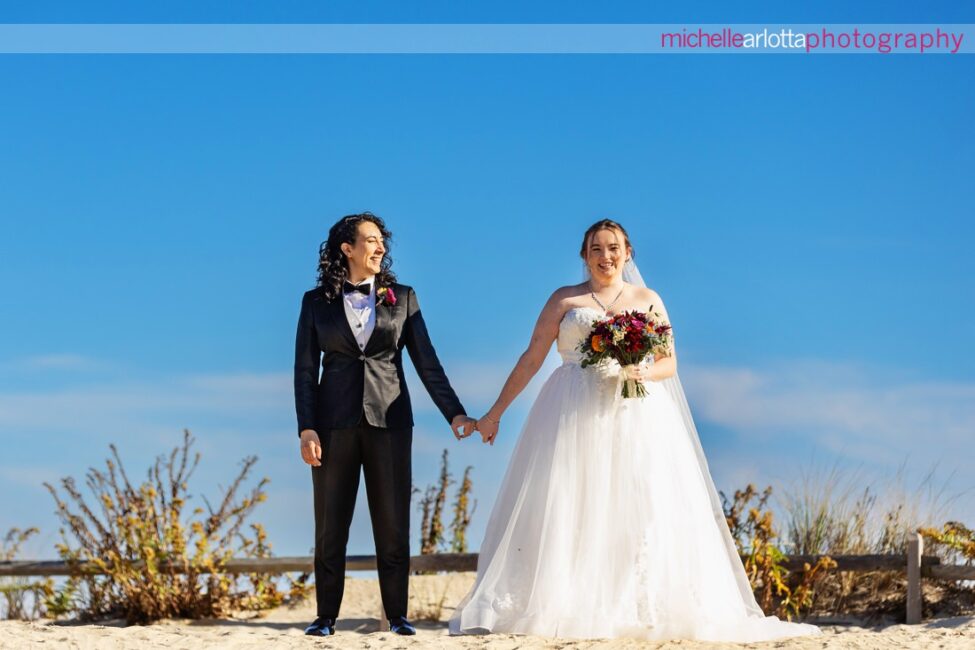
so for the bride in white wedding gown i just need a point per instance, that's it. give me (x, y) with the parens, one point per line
(607, 522)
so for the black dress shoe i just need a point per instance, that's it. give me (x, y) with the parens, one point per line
(321, 627)
(400, 625)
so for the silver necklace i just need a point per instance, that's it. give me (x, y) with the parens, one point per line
(606, 308)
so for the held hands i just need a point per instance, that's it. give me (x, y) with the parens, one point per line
(488, 428)
(311, 448)
(463, 426)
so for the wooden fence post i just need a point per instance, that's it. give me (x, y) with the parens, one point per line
(915, 547)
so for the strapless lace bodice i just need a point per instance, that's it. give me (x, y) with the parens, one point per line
(575, 325)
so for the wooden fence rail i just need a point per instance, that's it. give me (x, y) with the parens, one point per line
(914, 563)
(300, 563)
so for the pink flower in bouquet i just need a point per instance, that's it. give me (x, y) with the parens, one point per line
(627, 338)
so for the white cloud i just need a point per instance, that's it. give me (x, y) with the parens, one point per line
(866, 411)
(56, 361)
(844, 410)
(478, 384)
(134, 402)
(28, 476)
(870, 413)
(839, 405)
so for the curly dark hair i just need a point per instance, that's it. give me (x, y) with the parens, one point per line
(333, 268)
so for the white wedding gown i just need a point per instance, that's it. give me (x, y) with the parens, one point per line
(604, 527)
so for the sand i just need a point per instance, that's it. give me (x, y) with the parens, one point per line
(358, 628)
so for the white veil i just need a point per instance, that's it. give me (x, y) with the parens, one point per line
(631, 274)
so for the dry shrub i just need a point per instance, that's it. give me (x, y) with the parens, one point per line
(838, 511)
(957, 539)
(463, 512)
(432, 530)
(954, 542)
(432, 505)
(155, 561)
(789, 594)
(23, 599)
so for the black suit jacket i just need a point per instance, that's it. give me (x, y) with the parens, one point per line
(368, 382)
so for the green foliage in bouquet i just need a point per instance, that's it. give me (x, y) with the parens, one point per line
(628, 338)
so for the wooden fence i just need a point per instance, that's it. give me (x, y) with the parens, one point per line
(916, 565)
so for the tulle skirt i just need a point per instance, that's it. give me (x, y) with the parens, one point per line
(603, 527)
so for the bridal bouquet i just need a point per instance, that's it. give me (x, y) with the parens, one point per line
(628, 338)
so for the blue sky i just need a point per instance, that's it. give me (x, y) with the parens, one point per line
(807, 220)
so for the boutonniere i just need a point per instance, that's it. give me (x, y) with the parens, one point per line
(386, 296)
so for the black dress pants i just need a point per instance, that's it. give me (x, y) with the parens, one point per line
(383, 456)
